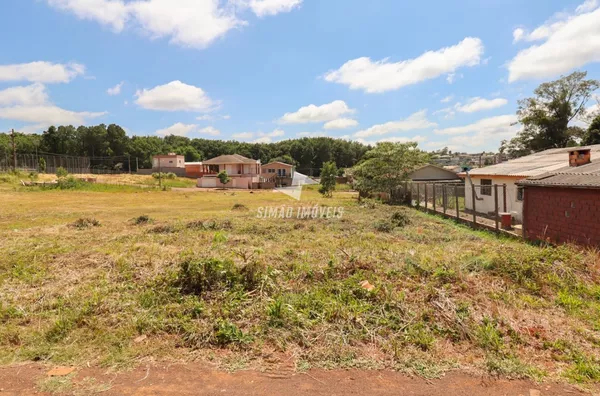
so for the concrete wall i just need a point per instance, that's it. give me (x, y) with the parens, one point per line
(487, 204)
(562, 215)
(169, 162)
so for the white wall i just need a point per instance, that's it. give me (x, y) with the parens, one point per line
(487, 204)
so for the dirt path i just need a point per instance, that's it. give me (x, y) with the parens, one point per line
(195, 379)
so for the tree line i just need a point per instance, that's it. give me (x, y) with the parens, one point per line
(307, 154)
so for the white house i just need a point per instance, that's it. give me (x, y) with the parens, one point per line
(509, 173)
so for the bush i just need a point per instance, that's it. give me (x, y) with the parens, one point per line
(200, 276)
(85, 222)
(384, 226)
(239, 206)
(171, 175)
(61, 172)
(68, 183)
(400, 219)
(143, 219)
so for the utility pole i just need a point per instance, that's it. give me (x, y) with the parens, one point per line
(137, 165)
(12, 135)
(159, 174)
(129, 166)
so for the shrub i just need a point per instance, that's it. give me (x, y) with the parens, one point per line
(229, 333)
(239, 206)
(200, 276)
(143, 219)
(61, 172)
(163, 229)
(328, 178)
(171, 175)
(85, 222)
(400, 219)
(68, 183)
(384, 226)
(223, 177)
(33, 176)
(42, 165)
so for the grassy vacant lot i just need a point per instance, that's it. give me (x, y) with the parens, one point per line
(115, 278)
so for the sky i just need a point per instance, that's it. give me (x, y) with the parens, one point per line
(441, 73)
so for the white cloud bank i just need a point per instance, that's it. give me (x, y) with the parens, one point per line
(314, 114)
(341, 123)
(175, 96)
(31, 104)
(382, 76)
(188, 23)
(181, 129)
(42, 72)
(415, 121)
(489, 126)
(569, 41)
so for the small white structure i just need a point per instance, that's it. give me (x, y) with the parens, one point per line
(509, 173)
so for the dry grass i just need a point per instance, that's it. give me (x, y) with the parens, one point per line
(204, 281)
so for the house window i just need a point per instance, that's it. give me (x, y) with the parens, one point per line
(486, 187)
(520, 193)
(271, 170)
(283, 172)
(170, 162)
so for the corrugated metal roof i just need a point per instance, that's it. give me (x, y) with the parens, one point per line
(534, 164)
(580, 176)
(230, 159)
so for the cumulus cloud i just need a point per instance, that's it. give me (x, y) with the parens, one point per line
(480, 104)
(47, 115)
(415, 121)
(489, 126)
(116, 90)
(341, 123)
(209, 117)
(31, 104)
(175, 96)
(212, 131)
(243, 135)
(382, 76)
(578, 32)
(178, 129)
(188, 23)
(447, 99)
(261, 137)
(399, 139)
(264, 8)
(42, 72)
(34, 94)
(313, 113)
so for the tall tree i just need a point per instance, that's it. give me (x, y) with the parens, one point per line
(386, 166)
(592, 136)
(546, 116)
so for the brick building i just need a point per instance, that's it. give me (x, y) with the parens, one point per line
(564, 205)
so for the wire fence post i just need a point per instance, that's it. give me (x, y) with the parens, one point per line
(504, 196)
(434, 199)
(444, 198)
(425, 196)
(418, 196)
(473, 198)
(456, 199)
(496, 207)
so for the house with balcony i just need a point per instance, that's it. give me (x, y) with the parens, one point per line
(244, 172)
(279, 173)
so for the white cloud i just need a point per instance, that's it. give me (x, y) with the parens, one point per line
(415, 121)
(399, 139)
(272, 7)
(311, 134)
(490, 126)
(341, 123)
(448, 112)
(480, 104)
(587, 6)
(212, 131)
(577, 34)
(447, 99)
(243, 135)
(518, 34)
(47, 114)
(208, 117)
(116, 90)
(178, 129)
(313, 113)
(113, 13)
(43, 72)
(188, 23)
(382, 76)
(175, 96)
(34, 94)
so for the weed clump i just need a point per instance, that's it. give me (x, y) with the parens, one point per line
(400, 219)
(141, 220)
(163, 229)
(85, 222)
(207, 275)
(240, 207)
(209, 225)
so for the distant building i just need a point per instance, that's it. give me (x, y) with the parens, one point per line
(243, 172)
(278, 172)
(509, 173)
(431, 173)
(169, 163)
(564, 205)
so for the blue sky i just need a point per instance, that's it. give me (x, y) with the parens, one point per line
(441, 73)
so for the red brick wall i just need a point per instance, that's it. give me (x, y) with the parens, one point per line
(562, 215)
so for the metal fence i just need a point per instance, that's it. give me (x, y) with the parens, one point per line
(73, 164)
(479, 205)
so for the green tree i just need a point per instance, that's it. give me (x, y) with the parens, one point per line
(592, 136)
(546, 116)
(42, 165)
(386, 166)
(286, 159)
(328, 175)
(223, 177)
